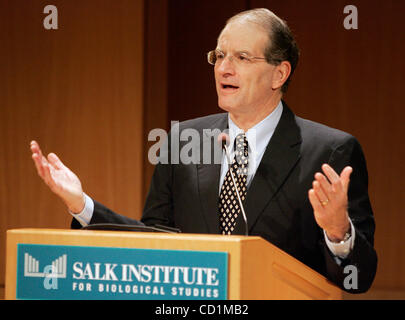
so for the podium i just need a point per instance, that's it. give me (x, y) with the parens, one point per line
(251, 267)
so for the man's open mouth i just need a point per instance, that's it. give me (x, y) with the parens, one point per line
(229, 86)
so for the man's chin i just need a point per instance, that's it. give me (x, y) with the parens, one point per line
(226, 106)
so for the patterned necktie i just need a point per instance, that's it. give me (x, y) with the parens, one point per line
(229, 208)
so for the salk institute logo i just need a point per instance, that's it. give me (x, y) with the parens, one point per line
(50, 272)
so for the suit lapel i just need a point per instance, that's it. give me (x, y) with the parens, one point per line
(281, 155)
(208, 176)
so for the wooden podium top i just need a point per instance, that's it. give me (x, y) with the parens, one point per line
(256, 268)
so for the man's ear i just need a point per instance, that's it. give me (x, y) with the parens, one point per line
(281, 74)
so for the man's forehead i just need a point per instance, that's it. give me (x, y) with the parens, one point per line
(242, 36)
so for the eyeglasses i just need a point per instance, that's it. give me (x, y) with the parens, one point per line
(240, 57)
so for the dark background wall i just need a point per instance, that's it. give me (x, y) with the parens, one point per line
(92, 90)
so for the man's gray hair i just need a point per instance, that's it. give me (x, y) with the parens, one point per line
(282, 45)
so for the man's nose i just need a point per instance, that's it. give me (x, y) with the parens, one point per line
(226, 66)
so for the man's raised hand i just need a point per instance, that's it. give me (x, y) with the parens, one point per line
(330, 201)
(60, 179)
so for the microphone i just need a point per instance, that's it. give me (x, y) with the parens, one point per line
(224, 140)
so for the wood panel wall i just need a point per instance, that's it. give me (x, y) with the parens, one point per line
(78, 91)
(155, 77)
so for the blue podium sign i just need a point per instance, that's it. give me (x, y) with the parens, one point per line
(76, 272)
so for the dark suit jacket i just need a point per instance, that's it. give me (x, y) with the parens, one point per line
(277, 205)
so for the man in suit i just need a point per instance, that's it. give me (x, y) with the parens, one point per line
(285, 168)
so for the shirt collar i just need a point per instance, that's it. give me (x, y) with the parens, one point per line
(259, 135)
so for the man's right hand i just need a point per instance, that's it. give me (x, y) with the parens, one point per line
(63, 182)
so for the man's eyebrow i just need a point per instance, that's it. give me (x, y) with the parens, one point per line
(244, 51)
(247, 52)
